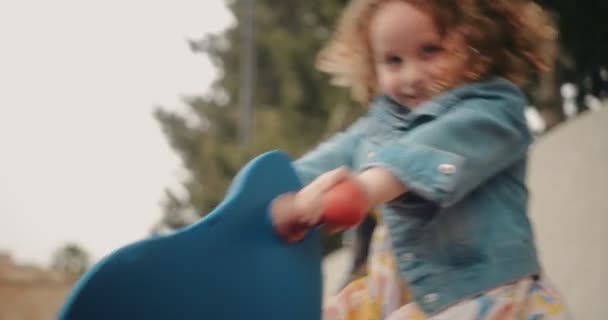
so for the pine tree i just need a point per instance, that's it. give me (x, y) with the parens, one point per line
(295, 106)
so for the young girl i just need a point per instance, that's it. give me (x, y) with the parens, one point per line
(442, 151)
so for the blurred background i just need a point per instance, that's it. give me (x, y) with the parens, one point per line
(121, 120)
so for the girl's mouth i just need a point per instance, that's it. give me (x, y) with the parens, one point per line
(413, 100)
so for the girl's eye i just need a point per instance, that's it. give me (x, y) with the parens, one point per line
(393, 60)
(428, 51)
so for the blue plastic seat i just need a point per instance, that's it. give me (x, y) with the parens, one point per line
(229, 265)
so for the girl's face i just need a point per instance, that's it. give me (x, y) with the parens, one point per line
(413, 61)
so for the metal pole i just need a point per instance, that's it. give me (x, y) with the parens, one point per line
(248, 70)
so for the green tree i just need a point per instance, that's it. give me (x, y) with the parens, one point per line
(71, 259)
(583, 48)
(584, 32)
(295, 106)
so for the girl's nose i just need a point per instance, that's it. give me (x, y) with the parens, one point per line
(410, 76)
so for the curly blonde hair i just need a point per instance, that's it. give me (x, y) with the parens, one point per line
(514, 39)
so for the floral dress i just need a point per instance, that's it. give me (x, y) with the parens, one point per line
(383, 295)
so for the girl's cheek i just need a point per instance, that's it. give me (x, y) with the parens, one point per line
(394, 87)
(388, 84)
(448, 72)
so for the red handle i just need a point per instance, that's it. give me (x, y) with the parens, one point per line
(345, 205)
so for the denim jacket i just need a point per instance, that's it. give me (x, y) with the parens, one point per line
(462, 229)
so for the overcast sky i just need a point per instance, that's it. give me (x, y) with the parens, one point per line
(81, 157)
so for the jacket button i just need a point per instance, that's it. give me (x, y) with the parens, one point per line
(447, 168)
(431, 297)
(371, 154)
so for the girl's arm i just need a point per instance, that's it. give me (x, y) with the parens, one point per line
(319, 170)
(380, 185)
(447, 158)
(293, 214)
(331, 154)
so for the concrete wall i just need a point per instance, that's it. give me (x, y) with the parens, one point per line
(568, 179)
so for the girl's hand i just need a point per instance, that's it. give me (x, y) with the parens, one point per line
(293, 214)
(339, 206)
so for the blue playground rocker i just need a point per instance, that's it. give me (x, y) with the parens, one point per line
(229, 265)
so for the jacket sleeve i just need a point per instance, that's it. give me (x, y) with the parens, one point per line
(448, 157)
(331, 154)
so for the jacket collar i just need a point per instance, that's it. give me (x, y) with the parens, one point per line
(390, 110)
